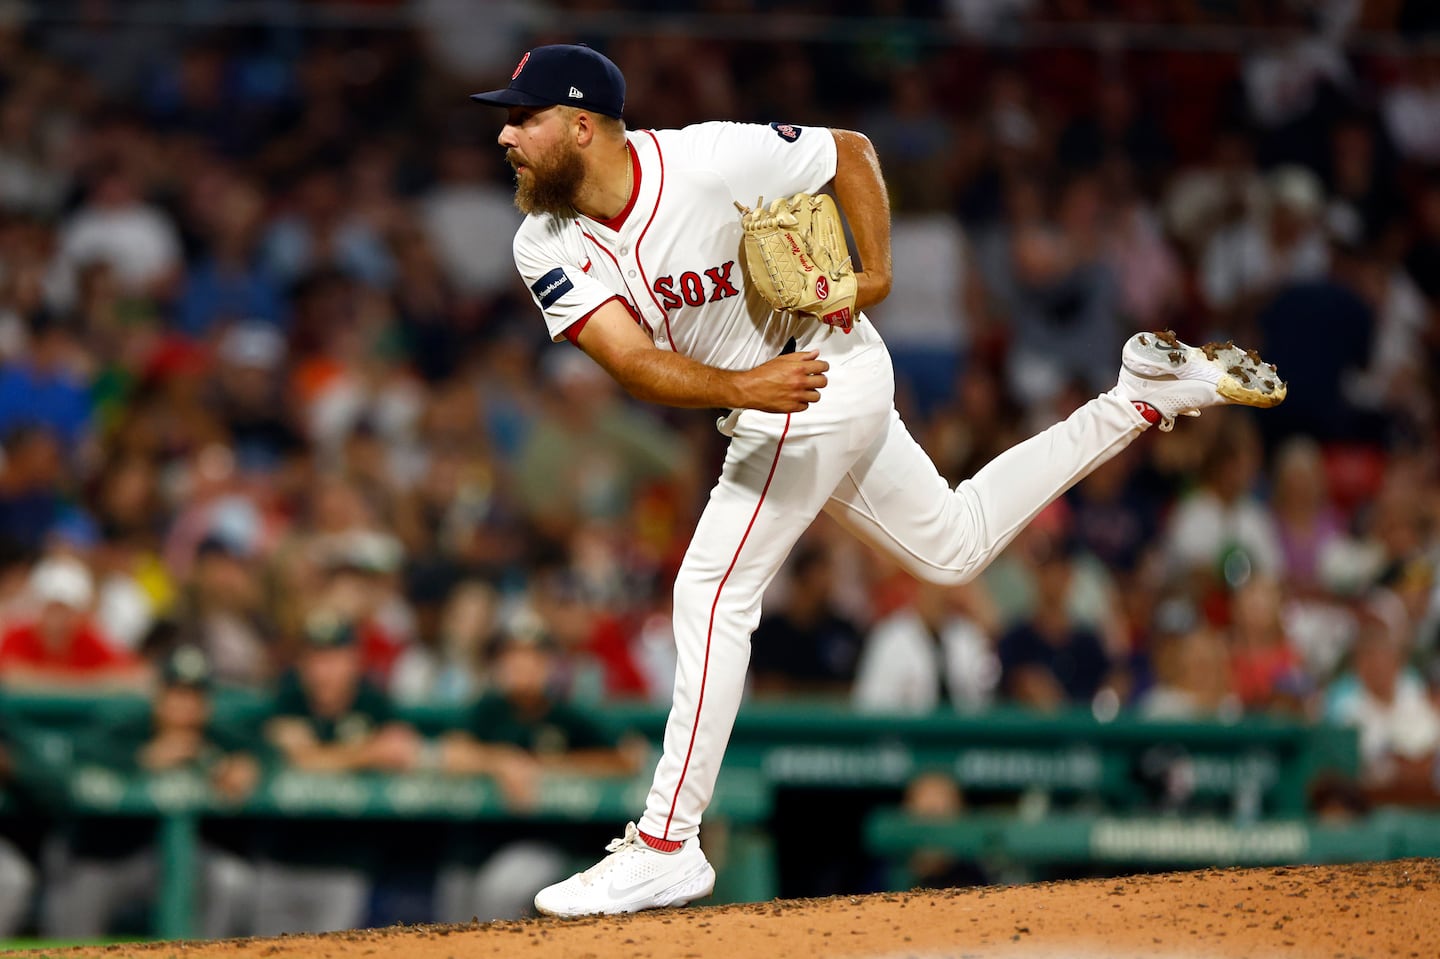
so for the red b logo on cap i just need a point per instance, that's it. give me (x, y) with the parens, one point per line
(520, 66)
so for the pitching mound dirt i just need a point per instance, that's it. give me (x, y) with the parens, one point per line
(1324, 912)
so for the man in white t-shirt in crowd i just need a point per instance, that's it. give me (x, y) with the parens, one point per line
(931, 653)
(1281, 243)
(117, 227)
(1388, 703)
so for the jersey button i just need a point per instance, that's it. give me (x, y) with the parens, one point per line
(624, 251)
(632, 273)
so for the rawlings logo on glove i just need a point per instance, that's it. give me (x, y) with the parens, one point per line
(795, 255)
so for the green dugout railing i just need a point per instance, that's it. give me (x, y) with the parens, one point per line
(825, 745)
(1262, 766)
(1149, 841)
(179, 800)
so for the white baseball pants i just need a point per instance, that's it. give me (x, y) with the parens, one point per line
(849, 455)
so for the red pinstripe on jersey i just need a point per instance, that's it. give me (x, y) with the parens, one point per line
(659, 192)
(710, 631)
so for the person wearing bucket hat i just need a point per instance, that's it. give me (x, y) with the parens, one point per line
(633, 251)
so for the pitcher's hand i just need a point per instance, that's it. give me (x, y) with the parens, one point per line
(786, 384)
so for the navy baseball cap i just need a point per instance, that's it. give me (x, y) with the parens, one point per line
(562, 73)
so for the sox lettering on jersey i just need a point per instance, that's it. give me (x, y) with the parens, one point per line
(690, 290)
(675, 255)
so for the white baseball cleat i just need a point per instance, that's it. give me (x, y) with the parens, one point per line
(1179, 380)
(633, 877)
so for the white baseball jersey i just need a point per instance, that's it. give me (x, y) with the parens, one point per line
(673, 255)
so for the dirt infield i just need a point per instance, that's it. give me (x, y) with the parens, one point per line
(1325, 912)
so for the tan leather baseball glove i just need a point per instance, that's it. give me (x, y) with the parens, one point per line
(795, 254)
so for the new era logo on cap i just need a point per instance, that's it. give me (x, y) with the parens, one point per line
(549, 75)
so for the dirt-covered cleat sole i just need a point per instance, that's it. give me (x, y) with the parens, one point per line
(1238, 375)
(1180, 380)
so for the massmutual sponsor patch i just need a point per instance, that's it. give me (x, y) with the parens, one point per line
(551, 287)
(787, 131)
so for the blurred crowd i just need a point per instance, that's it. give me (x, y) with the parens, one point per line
(264, 362)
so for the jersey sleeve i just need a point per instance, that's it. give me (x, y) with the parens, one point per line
(564, 293)
(764, 160)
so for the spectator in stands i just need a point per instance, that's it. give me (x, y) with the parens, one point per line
(32, 486)
(314, 877)
(319, 232)
(362, 586)
(1306, 523)
(165, 418)
(1291, 75)
(451, 667)
(806, 647)
(467, 215)
(938, 797)
(1222, 532)
(1365, 198)
(107, 867)
(981, 424)
(1091, 599)
(1325, 373)
(1388, 702)
(1147, 272)
(1412, 110)
(931, 653)
(249, 397)
(34, 177)
(1049, 661)
(1061, 297)
(117, 226)
(1283, 242)
(914, 137)
(1114, 517)
(1392, 392)
(133, 589)
(222, 611)
(936, 311)
(59, 647)
(1192, 669)
(591, 453)
(229, 285)
(517, 732)
(1265, 668)
(47, 386)
(1117, 128)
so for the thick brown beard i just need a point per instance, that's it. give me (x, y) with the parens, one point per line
(551, 188)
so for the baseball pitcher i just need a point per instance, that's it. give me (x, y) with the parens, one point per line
(700, 268)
